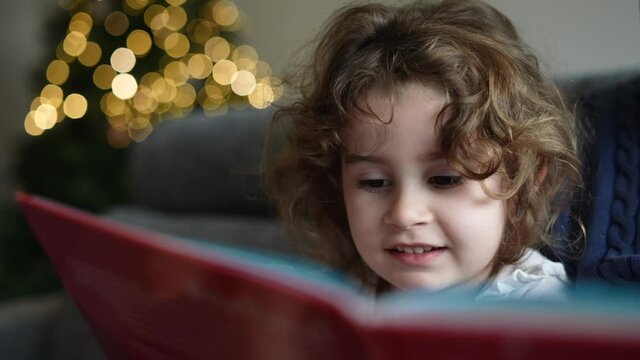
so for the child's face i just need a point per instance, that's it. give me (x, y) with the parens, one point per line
(413, 219)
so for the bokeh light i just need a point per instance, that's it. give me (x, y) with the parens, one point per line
(182, 58)
(74, 43)
(123, 60)
(45, 116)
(82, 23)
(30, 125)
(200, 66)
(176, 45)
(176, 72)
(91, 54)
(225, 12)
(103, 76)
(52, 95)
(116, 23)
(201, 30)
(225, 72)
(139, 41)
(124, 86)
(137, 4)
(217, 48)
(261, 96)
(57, 72)
(177, 18)
(75, 106)
(244, 83)
(176, 2)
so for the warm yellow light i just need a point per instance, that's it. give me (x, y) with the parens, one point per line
(57, 72)
(246, 64)
(244, 83)
(261, 97)
(124, 86)
(225, 12)
(75, 106)
(200, 66)
(30, 125)
(177, 18)
(123, 60)
(176, 2)
(45, 116)
(112, 106)
(145, 100)
(164, 89)
(159, 37)
(201, 30)
(177, 72)
(91, 55)
(52, 95)
(81, 22)
(60, 113)
(213, 92)
(140, 135)
(103, 76)
(60, 54)
(176, 45)
(119, 121)
(263, 69)
(116, 23)
(245, 52)
(217, 48)
(276, 86)
(216, 90)
(35, 103)
(225, 72)
(137, 4)
(74, 43)
(185, 97)
(139, 42)
(149, 78)
(156, 17)
(160, 21)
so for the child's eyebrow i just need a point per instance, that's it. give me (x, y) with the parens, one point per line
(356, 158)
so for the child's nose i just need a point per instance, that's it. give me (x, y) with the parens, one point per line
(408, 209)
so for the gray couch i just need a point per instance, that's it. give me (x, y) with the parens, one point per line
(196, 177)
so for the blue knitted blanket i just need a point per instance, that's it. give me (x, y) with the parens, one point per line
(611, 214)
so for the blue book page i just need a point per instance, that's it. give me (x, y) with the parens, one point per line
(598, 309)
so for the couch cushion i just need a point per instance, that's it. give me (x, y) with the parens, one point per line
(241, 231)
(202, 164)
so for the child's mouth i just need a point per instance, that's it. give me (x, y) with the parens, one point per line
(416, 255)
(414, 249)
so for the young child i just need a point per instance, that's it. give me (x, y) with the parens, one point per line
(428, 151)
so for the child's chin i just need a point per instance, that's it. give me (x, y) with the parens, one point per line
(419, 284)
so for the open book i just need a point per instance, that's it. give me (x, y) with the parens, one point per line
(150, 296)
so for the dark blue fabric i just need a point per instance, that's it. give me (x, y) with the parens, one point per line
(612, 249)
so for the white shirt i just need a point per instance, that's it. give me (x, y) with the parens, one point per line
(532, 277)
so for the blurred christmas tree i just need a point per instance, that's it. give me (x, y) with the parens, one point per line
(119, 68)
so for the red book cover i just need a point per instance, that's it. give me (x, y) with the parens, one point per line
(150, 296)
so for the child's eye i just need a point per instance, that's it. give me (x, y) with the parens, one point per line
(445, 181)
(374, 185)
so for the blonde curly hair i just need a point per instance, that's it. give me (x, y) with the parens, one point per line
(503, 116)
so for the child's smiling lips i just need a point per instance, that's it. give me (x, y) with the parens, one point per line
(415, 254)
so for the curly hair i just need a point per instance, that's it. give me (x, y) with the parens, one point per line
(503, 115)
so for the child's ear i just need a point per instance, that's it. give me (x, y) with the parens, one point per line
(541, 171)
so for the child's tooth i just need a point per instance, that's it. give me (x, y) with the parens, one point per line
(408, 250)
(418, 250)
